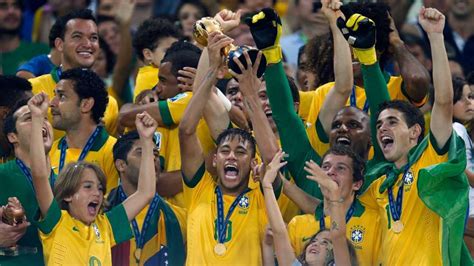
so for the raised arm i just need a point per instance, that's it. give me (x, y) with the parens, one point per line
(432, 22)
(191, 151)
(128, 112)
(343, 74)
(146, 127)
(38, 106)
(303, 200)
(416, 78)
(281, 240)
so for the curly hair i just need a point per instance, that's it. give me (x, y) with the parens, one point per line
(88, 84)
(320, 59)
(378, 13)
(182, 54)
(85, 14)
(150, 32)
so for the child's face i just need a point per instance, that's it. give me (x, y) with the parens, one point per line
(85, 204)
(319, 249)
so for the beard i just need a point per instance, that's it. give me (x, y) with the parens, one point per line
(9, 32)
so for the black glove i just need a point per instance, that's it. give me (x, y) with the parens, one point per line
(359, 32)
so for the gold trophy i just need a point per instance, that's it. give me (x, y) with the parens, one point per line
(14, 214)
(206, 25)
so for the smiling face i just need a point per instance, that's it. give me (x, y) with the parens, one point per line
(463, 109)
(23, 130)
(80, 46)
(394, 136)
(85, 203)
(350, 127)
(233, 161)
(319, 250)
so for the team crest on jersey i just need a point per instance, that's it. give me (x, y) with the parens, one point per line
(177, 97)
(357, 234)
(96, 230)
(158, 140)
(408, 179)
(244, 202)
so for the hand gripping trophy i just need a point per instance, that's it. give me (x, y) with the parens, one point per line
(14, 214)
(207, 25)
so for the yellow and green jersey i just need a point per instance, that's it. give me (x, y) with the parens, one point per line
(47, 84)
(433, 205)
(100, 154)
(67, 241)
(363, 230)
(147, 78)
(244, 232)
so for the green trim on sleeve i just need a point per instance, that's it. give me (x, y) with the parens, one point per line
(321, 133)
(440, 151)
(47, 224)
(196, 178)
(165, 113)
(118, 220)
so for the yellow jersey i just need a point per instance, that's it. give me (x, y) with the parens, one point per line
(47, 84)
(100, 154)
(306, 99)
(244, 232)
(147, 78)
(363, 230)
(67, 241)
(172, 111)
(420, 241)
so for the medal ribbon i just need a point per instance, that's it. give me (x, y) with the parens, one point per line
(140, 237)
(27, 173)
(85, 150)
(396, 206)
(349, 213)
(353, 101)
(221, 223)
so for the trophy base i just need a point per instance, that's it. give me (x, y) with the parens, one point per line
(17, 251)
(253, 57)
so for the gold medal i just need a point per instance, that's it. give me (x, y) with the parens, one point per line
(397, 227)
(220, 249)
(138, 253)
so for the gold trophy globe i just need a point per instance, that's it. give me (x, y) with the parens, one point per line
(14, 214)
(206, 25)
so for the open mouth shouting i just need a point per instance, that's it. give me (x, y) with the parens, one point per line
(93, 208)
(343, 140)
(231, 172)
(386, 142)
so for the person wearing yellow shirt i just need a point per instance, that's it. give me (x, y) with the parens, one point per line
(421, 191)
(79, 103)
(79, 47)
(153, 37)
(226, 219)
(160, 228)
(364, 230)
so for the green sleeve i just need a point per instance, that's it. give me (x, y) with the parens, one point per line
(377, 93)
(191, 183)
(47, 224)
(118, 220)
(165, 113)
(294, 140)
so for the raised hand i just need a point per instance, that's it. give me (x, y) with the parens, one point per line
(39, 105)
(146, 126)
(248, 81)
(186, 78)
(124, 10)
(331, 9)
(216, 42)
(273, 168)
(431, 20)
(229, 20)
(329, 187)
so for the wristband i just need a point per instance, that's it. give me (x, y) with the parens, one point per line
(273, 54)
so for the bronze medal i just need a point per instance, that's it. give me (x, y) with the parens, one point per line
(397, 227)
(138, 253)
(220, 249)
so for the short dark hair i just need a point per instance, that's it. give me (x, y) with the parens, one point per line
(411, 114)
(458, 86)
(243, 135)
(9, 123)
(12, 89)
(150, 32)
(198, 4)
(182, 54)
(470, 78)
(85, 14)
(88, 85)
(55, 32)
(124, 144)
(358, 164)
(295, 93)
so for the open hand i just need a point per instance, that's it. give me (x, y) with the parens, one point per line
(273, 168)
(329, 187)
(216, 41)
(146, 125)
(124, 10)
(186, 78)
(248, 81)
